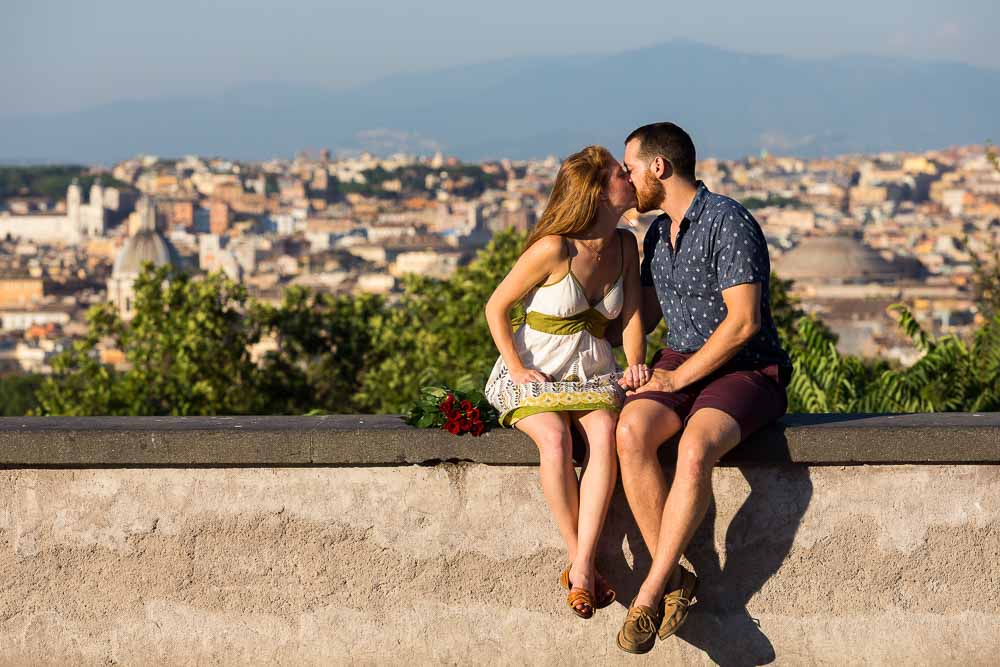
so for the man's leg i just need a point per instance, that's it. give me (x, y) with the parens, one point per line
(643, 426)
(709, 434)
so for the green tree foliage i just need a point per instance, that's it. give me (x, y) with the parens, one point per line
(47, 181)
(437, 332)
(187, 349)
(951, 375)
(17, 394)
(753, 203)
(825, 380)
(412, 178)
(986, 283)
(323, 346)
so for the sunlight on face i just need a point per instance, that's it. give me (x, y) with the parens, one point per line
(648, 189)
(621, 194)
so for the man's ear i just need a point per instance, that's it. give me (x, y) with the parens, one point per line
(661, 168)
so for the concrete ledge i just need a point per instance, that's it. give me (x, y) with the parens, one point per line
(457, 564)
(380, 440)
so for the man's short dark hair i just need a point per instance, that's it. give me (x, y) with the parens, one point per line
(669, 141)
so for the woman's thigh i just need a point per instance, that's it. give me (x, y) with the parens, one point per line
(597, 427)
(549, 430)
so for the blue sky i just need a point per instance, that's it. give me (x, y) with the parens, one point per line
(64, 55)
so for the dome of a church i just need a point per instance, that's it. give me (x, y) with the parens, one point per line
(146, 245)
(841, 259)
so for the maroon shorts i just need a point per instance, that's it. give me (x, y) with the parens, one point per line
(752, 395)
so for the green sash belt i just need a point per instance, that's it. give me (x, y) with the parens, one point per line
(589, 320)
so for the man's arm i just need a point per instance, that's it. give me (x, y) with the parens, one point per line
(650, 309)
(741, 265)
(742, 323)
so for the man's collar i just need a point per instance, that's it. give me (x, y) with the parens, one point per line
(698, 203)
(694, 209)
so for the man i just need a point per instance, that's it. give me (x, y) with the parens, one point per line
(722, 376)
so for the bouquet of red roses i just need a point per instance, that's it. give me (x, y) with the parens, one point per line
(453, 410)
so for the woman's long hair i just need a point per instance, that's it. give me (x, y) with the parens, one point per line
(576, 194)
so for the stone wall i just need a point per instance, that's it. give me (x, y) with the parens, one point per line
(173, 554)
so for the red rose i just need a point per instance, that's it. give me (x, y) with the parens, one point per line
(448, 404)
(477, 428)
(466, 406)
(453, 427)
(466, 424)
(473, 414)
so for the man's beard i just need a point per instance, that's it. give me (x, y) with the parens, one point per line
(651, 196)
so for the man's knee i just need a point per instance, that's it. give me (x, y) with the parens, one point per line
(710, 434)
(636, 439)
(695, 457)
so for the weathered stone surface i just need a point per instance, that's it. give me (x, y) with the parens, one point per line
(457, 564)
(386, 440)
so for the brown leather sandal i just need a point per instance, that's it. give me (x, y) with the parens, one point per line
(577, 596)
(581, 602)
(605, 594)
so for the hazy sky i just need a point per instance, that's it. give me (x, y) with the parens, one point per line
(62, 55)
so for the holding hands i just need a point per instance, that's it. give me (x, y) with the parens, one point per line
(649, 380)
(635, 376)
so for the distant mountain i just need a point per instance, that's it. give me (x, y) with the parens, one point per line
(734, 104)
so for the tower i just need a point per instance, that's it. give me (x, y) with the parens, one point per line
(97, 194)
(98, 217)
(74, 196)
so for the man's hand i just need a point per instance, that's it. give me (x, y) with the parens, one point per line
(662, 380)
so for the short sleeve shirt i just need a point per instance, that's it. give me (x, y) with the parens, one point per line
(719, 245)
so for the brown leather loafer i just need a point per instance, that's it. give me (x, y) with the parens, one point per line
(674, 611)
(638, 634)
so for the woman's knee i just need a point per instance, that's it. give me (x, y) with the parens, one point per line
(599, 431)
(555, 445)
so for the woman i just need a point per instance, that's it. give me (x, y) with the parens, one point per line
(577, 272)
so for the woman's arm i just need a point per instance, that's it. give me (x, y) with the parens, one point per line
(532, 268)
(633, 336)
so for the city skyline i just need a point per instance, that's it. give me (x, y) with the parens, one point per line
(855, 234)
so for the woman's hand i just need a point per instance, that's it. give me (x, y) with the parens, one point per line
(635, 376)
(526, 375)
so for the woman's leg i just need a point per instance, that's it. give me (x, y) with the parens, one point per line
(551, 433)
(597, 483)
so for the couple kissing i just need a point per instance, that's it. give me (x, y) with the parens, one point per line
(720, 374)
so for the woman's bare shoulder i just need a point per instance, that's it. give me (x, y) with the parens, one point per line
(550, 248)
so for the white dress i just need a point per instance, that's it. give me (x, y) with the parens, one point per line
(562, 336)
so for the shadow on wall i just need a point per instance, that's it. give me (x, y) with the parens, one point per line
(757, 541)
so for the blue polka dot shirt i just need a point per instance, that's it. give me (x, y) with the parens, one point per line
(719, 245)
